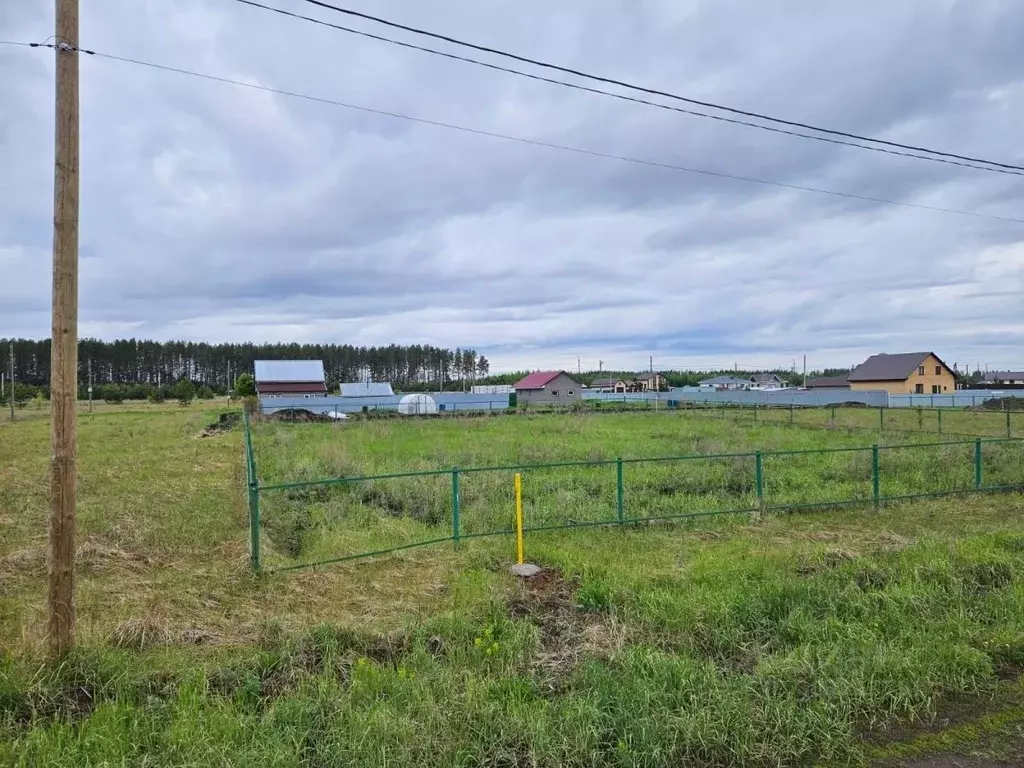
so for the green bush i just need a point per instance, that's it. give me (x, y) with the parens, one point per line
(184, 392)
(245, 385)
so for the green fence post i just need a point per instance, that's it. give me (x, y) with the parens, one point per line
(253, 490)
(1008, 424)
(875, 480)
(833, 415)
(455, 505)
(254, 526)
(620, 493)
(920, 419)
(940, 421)
(881, 418)
(977, 463)
(759, 479)
(790, 413)
(755, 412)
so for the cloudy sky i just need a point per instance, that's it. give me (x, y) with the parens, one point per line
(214, 212)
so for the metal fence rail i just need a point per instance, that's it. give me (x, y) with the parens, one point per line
(374, 515)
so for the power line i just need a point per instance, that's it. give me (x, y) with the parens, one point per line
(620, 96)
(535, 142)
(651, 91)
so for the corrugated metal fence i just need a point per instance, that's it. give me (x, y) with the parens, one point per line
(767, 397)
(446, 402)
(465, 401)
(961, 399)
(806, 397)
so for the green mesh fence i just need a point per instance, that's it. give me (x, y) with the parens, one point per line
(316, 521)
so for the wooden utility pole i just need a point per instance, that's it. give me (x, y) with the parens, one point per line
(64, 338)
(10, 359)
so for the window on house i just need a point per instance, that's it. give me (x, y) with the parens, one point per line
(571, 392)
(938, 370)
(554, 393)
(919, 389)
(920, 371)
(936, 389)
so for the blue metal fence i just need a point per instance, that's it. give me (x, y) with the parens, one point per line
(961, 399)
(466, 401)
(766, 397)
(807, 397)
(446, 402)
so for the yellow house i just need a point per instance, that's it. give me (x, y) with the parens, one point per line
(921, 373)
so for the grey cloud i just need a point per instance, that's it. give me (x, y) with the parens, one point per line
(219, 212)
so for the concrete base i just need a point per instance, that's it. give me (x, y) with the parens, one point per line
(525, 570)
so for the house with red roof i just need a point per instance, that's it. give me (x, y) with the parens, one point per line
(548, 388)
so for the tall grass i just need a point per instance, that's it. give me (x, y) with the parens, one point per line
(748, 657)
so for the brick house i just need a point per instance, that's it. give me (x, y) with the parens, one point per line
(548, 388)
(916, 373)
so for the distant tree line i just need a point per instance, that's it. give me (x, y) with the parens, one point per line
(138, 369)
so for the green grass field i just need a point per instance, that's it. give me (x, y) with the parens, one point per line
(968, 422)
(713, 471)
(848, 637)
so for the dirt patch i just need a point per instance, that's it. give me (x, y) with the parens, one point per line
(225, 423)
(295, 414)
(1009, 672)
(980, 730)
(566, 631)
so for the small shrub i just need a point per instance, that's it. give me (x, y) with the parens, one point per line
(185, 392)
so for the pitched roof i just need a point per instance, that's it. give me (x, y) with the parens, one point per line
(828, 381)
(539, 379)
(762, 377)
(289, 370)
(647, 375)
(600, 383)
(1003, 375)
(366, 389)
(885, 367)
